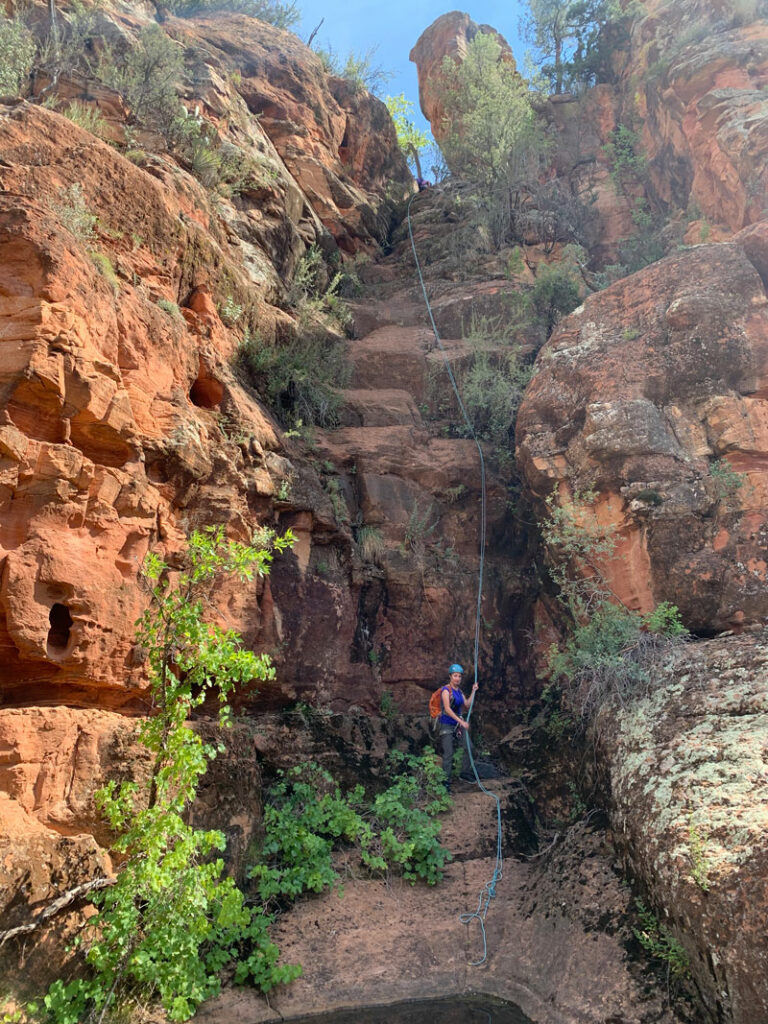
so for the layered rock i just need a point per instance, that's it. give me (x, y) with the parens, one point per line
(653, 393)
(337, 142)
(702, 69)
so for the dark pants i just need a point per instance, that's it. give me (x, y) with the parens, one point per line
(449, 742)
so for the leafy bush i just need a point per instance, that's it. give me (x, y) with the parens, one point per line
(103, 264)
(273, 12)
(613, 654)
(147, 76)
(89, 118)
(17, 53)
(171, 922)
(727, 481)
(68, 49)
(74, 214)
(358, 69)
(410, 138)
(626, 160)
(315, 297)
(307, 817)
(171, 308)
(492, 388)
(555, 294)
(300, 379)
(660, 943)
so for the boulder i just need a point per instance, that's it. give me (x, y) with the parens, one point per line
(653, 394)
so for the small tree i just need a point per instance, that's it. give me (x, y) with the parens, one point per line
(569, 38)
(410, 138)
(171, 922)
(148, 76)
(17, 52)
(491, 134)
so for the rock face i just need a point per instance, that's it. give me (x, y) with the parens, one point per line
(337, 143)
(688, 790)
(654, 394)
(126, 288)
(702, 68)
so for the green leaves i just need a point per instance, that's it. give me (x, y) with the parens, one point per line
(308, 817)
(491, 134)
(171, 922)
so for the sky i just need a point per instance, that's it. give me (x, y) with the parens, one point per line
(393, 26)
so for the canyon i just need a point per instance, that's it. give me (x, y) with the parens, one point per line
(127, 421)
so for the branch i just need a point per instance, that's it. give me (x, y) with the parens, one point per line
(60, 903)
(314, 32)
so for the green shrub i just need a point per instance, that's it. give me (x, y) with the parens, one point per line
(306, 817)
(273, 12)
(103, 264)
(230, 311)
(147, 75)
(626, 160)
(641, 250)
(492, 388)
(315, 297)
(17, 53)
(74, 214)
(358, 69)
(611, 653)
(410, 138)
(300, 379)
(660, 943)
(371, 543)
(89, 118)
(614, 654)
(555, 294)
(171, 308)
(726, 480)
(492, 134)
(68, 49)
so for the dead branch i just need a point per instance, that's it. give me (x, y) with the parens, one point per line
(59, 904)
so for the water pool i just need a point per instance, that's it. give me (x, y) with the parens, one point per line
(457, 1010)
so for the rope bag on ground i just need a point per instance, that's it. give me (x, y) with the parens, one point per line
(489, 890)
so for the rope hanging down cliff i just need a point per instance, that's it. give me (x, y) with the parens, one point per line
(489, 890)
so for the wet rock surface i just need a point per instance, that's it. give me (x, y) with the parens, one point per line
(556, 932)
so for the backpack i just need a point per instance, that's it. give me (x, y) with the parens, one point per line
(435, 709)
(435, 702)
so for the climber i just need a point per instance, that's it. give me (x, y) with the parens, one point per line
(453, 728)
(423, 184)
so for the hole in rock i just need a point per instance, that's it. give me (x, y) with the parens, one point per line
(206, 393)
(61, 624)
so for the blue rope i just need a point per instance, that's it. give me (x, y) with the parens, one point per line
(489, 890)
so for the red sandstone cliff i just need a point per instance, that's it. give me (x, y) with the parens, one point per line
(125, 425)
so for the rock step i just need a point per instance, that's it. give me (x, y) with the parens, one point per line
(434, 463)
(366, 407)
(404, 358)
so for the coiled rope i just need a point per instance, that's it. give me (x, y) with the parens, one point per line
(488, 891)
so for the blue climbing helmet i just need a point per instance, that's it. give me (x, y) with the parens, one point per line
(455, 668)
